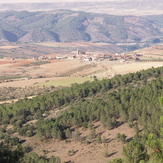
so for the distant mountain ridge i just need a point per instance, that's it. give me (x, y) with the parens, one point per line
(114, 7)
(76, 26)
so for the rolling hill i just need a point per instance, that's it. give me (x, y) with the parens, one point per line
(76, 26)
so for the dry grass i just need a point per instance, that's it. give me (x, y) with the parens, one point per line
(133, 67)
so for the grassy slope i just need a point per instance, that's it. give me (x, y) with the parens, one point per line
(65, 81)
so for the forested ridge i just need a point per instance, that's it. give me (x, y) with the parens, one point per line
(77, 26)
(134, 98)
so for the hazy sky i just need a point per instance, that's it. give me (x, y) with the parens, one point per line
(51, 1)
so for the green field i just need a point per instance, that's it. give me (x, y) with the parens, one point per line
(100, 71)
(65, 81)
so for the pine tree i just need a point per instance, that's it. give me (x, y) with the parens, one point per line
(134, 152)
(76, 135)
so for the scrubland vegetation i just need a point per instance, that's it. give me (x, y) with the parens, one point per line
(9, 93)
(134, 98)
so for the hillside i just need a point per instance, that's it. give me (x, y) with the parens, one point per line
(75, 26)
(86, 122)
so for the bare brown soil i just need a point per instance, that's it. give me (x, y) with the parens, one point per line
(87, 153)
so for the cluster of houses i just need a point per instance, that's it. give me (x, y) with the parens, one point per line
(82, 55)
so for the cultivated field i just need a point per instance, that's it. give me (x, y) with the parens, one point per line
(54, 68)
(60, 72)
(54, 73)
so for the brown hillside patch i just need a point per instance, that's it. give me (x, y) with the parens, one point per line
(87, 153)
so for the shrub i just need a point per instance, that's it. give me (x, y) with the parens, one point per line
(105, 152)
(121, 137)
(29, 133)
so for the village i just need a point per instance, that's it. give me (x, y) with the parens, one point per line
(86, 56)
